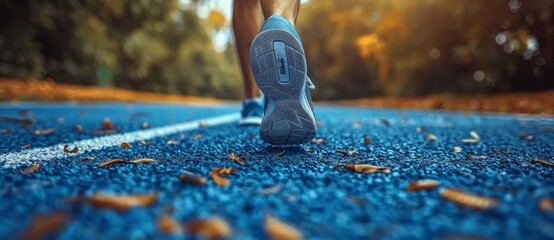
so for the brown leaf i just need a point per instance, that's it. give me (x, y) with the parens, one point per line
(142, 160)
(87, 158)
(468, 200)
(202, 124)
(280, 230)
(543, 162)
(221, 181)
(424, 184)
(367, 140)
(196, 136)
(384, 122)
(66, 149)
(171, 142)
(169, 225)
(42, 226)
(235, 158)
(107, 125)
(145, 125)
(469, 155)
(34, 168)
(346, 153)
(48, 131)
(117, 202)
(336, 167)
(142, 142)
(223, 170)
(281, 153)
(431, 137)
(501, 151)
(26, 146)
(527, 136)
(211, 228)
(110, 162)
(362, 168)
(319, 141)
(546, 204)
(189, 178)
(124, 145)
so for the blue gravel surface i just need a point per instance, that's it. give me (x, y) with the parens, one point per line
(321, 202)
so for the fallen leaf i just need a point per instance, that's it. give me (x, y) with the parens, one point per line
(142, 142)
(546, 204)
(424, 184)
(196, 136)
(34, 168)
(202, 124)
(107, 125)
(48, 131)
(280, 230)
(24, 121)
(468, 200)
(367, 140)
(336, 167)
(346, 153)
(224, 170)
(501, 151)
(431, 137)
(26, 146)
(190, 178)
(87, 158)
(543, 162)
(125, 145)
(42, 226)
(145, 125)
(116, 202)
(235, 158)
(211, 228)
(281, 153)
(476, 138)
(66, 149)
(469, 155)
(457, 149)
(319, 141)
(384, 122)
(169, 225)
(142, 160)
(110, 162)
(308, 149)
(362, 168)
(171, 142)
(470, 141)
(527, 136)
(475, 135)
(220, 181)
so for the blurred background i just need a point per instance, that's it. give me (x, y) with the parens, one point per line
(355, 48)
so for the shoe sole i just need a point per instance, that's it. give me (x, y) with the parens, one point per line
(278, 63)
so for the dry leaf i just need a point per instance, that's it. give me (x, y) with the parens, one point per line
(110, 162)
(87, 158)
(145, 125)
(211, 228)
(345, 153)
(142, 160)
(336, 167)
(220, 181)
(476, 138)
(66, 149)
(26, 146)
(527, 136)
(107, 125)
(308, 149)
(48, 131)
(196, 136)
(171, 142)
(125, 145)
(168, 225)
(34, 168)
(425, 184)
(468, 200)
(202, 124)
(190, 178)
(501, 151)
(457, 149)
(475, 135)
(385, 122)
(116, 202)
(280, 230)
(431, 137)
(367, 140)
(235, 158)
(471, 141)
(319, 141)
(142, 142)
(223, 170)
(281, 153)
(362, 168)
(543, 162)
(43, 226)
(469, 155)
(546, 204)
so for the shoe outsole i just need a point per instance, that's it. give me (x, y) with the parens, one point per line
(278, 63)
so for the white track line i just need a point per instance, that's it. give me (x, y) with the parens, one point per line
(34, 155)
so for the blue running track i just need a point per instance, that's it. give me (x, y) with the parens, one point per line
(321, 202)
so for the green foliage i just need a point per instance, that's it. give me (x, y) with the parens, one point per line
(152, 45)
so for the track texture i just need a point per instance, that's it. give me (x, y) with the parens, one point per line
(319, 201)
